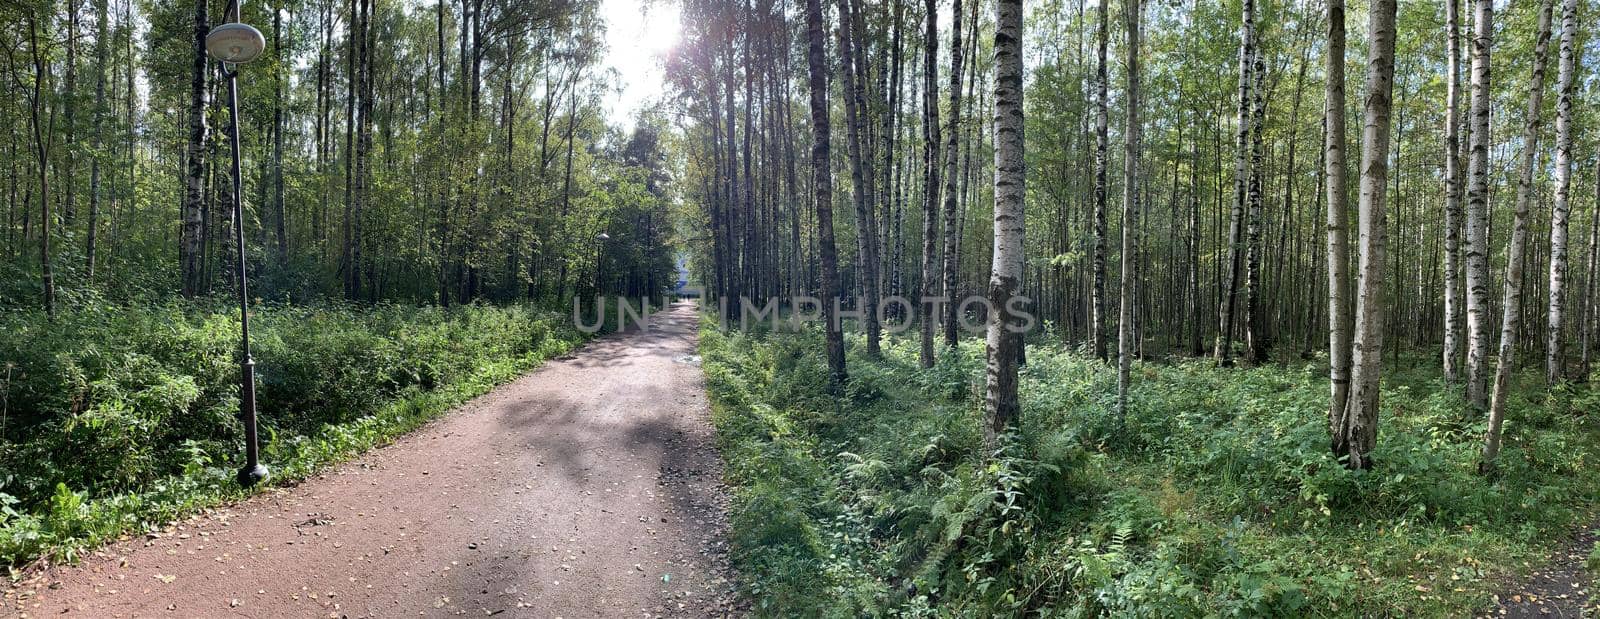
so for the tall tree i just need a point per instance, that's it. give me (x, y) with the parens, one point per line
(1452, 193)
(279, 216)
(855, 105)
(1257, 345)
(822, 179)
(930, 176)
(1130, 210)
(1477, 241)
(951, 258)
(1241, 187)
(101, 50)
(1338, 217)
(1566, 86)
(42, 137)
(1590, 283)
(1004, 337)
(1357, 433)
(1511, 300)
(1097, 291)
(190, 242)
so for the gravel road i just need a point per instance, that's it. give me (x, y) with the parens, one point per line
(590, 487)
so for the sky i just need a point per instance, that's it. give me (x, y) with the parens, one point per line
(638, 35)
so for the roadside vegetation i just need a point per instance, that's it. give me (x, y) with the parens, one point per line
(1216, 497)
(115, 420)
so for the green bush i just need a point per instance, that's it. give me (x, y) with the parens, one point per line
(113, 418)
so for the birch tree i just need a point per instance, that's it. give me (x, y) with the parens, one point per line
(930, 175)
(1003, 337)
(1130, 210)
(1357, 434)
(1452, 193)
(855, 106)
(1097, 291)
(189, 242)
(1256, 339)
(1566, 89)
(1477, 250)
(1511, 304)
(1241, 186)
(822, 179)
(951, 159)
(1338, 216)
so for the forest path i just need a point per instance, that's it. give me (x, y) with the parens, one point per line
(1560, 589)
(588, 487)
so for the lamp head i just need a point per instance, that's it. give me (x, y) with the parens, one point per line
(235, 43)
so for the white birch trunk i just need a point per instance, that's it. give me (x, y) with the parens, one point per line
(1000, 401)
(1337, 216)
(1241, 171)
(1359, 433)
(1553, 364)
(1477, 240)
(1130, 212)
(1452, 194)
(1511, 307)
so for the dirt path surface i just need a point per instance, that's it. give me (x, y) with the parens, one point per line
(1561, 589)
(589, 487)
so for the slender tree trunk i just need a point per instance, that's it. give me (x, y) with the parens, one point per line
(41, 145)
(1241, 186)
(1356, 436)
(69, 112)
(1565, 87)
(1006, 322)
(1192, 247)
(861, 179)
(1511, 305)
(1452, 194)
(191, 251)
(1590, 281)
(951, 160)
(1257, 345)
(1339, 317)
(889, 131)
(1477, 241)
(280, 218)
(816, 61)
(101, 49)
(930, 186)
(1130, 210)
(1097, 319)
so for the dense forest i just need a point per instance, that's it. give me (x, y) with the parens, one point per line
(1197, 175)
(449, 153)
(1155, 308)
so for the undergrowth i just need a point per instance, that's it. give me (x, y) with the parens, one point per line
(115, 420)
(1217, 498)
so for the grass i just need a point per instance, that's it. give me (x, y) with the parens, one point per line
(1218, 496)
(122, 419)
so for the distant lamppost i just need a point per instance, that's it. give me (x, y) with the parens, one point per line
(234, 44)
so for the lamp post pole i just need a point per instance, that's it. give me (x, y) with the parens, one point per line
(233, 44)
(253, 471)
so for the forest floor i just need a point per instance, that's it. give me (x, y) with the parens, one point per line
(590, 487)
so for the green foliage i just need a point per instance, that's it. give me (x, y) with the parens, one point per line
(121, 418)
(1217, 498)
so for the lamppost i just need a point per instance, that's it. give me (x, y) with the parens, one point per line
(234, 44)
